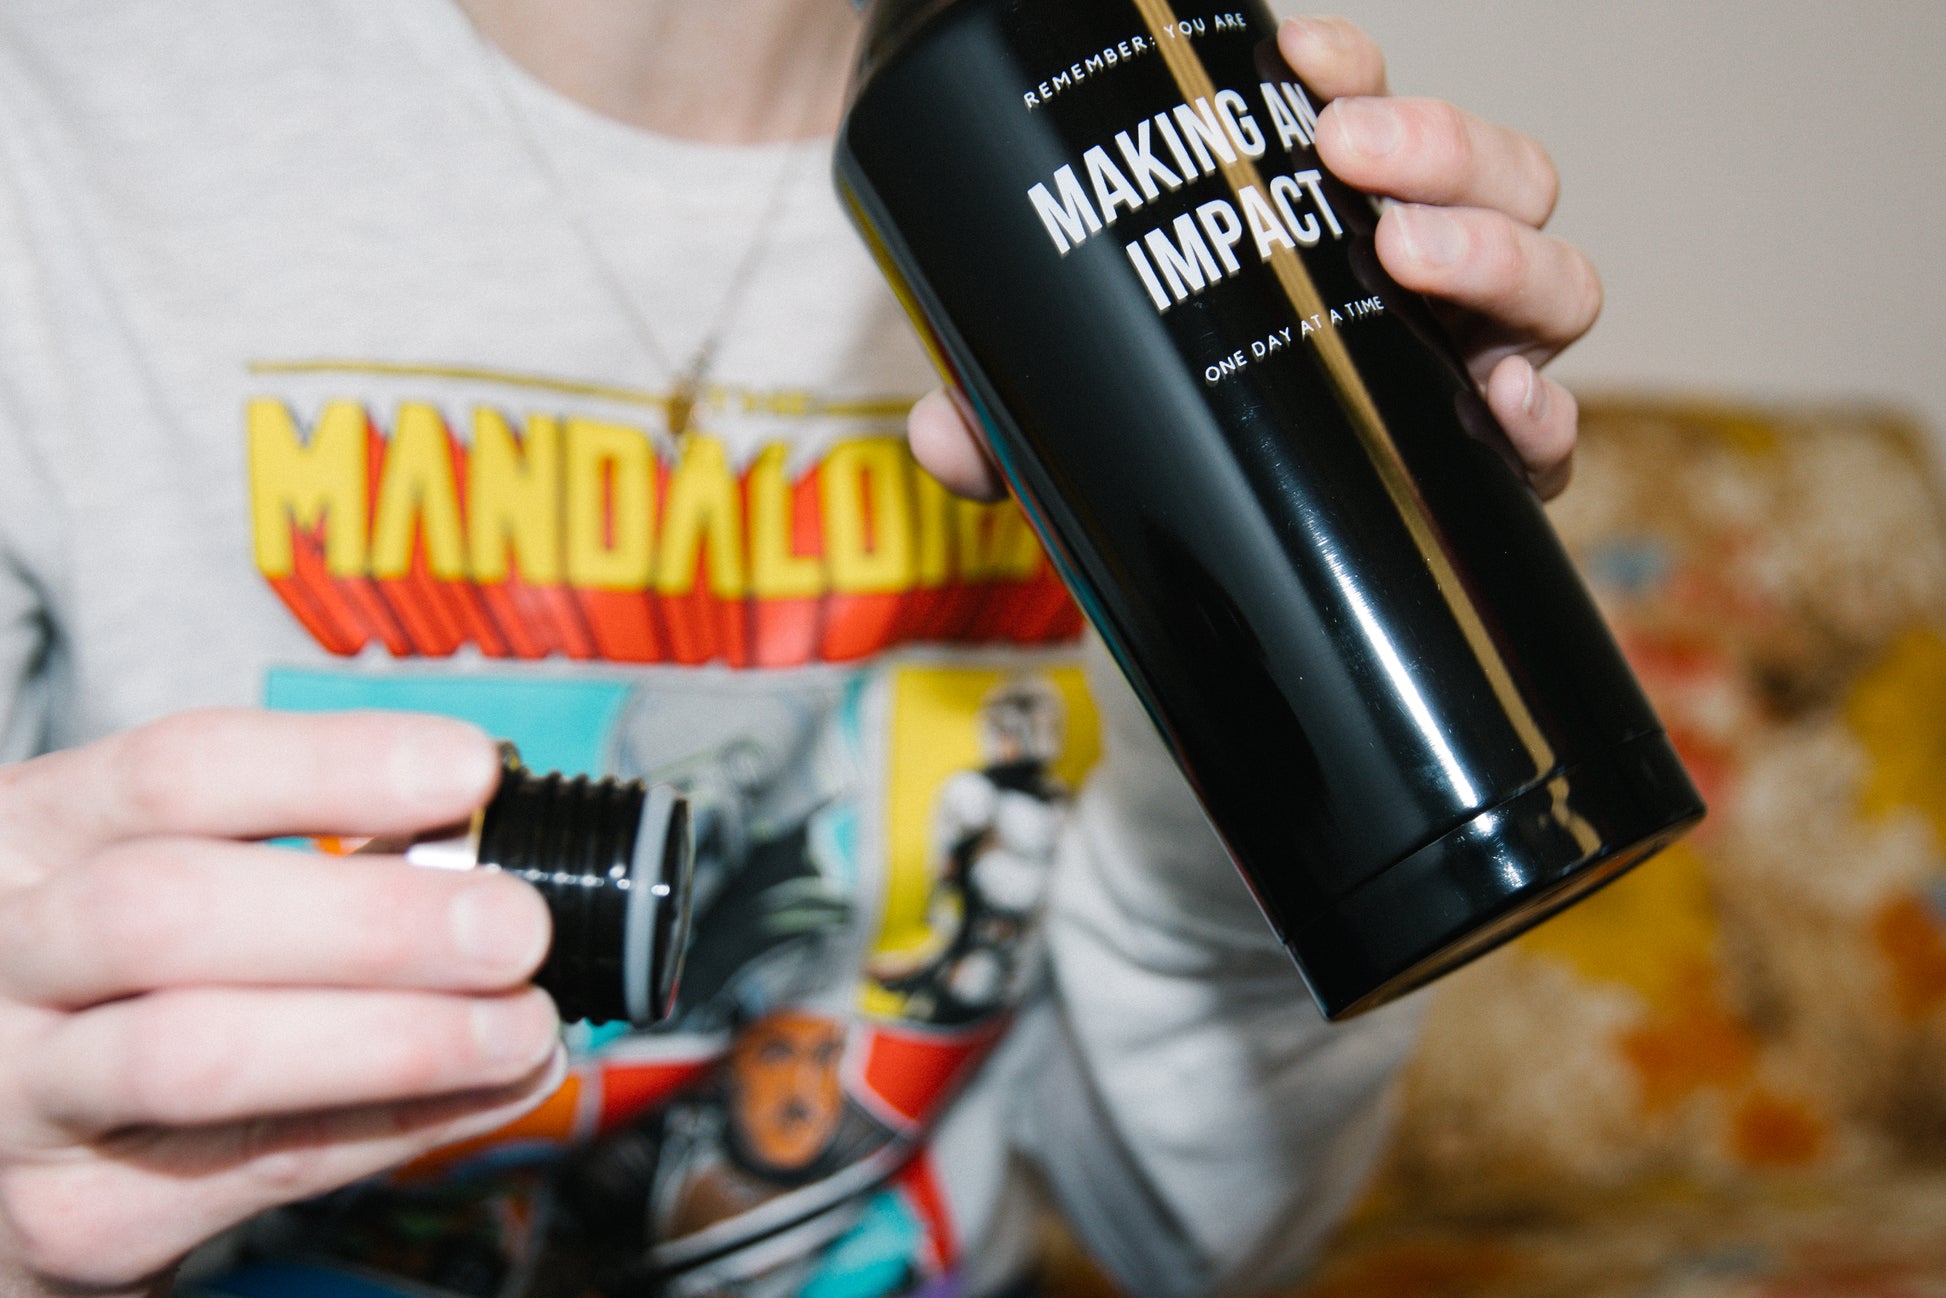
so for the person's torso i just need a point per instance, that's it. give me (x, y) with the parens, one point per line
(350, 366)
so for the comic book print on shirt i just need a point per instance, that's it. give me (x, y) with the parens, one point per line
(873, 850)
(873, 841)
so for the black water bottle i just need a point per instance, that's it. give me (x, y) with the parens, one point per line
(1263, 470)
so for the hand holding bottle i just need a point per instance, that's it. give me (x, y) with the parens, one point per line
(1467, 231)
(1274, 478)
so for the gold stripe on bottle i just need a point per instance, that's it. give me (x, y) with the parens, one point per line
(1193, 80)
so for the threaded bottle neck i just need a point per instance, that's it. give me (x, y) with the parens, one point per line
(575, 840)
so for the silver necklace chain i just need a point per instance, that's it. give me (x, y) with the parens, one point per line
(688, 383)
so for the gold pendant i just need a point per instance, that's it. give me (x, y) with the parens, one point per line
(682, 405)
(687, 391)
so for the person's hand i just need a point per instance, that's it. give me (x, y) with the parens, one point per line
(1465, 231)
(195, 1026)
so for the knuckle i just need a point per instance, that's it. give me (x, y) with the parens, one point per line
(421, 1061)
(139, 909)
(1576, 294)
(1567, 411)
(1593, 294)
(16, 791)
(151, 766)
(398, 916)
(51, 1224)
(1547, 179)
(290, 1174)
(175, 1065)
(1501, 261)
(34, 928)
(287, 1159)
(1445, 142)
(31, 817)
(1355, 43)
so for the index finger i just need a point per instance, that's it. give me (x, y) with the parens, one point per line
(179, 912)
(241, 773)
(1332, 56)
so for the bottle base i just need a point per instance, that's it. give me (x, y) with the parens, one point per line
(1494, 877)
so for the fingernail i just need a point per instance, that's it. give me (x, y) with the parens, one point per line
(1534, 402)
(557, 1069)
(515, 1029)
(1432, 237)
(445, 763)
(500, 925)
(1309, 27)
(1367, 127)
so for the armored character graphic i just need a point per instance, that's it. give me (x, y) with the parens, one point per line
(993, 839)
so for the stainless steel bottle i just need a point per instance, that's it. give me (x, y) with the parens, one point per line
(1263, 470)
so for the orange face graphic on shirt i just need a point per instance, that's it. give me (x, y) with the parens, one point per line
(785, 1097)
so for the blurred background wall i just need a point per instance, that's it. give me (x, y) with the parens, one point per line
(1762, 185)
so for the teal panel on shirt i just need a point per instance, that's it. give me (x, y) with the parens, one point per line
(558, 725)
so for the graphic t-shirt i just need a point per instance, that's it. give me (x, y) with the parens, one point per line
(340, 366)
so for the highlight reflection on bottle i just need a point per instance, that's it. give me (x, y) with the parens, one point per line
(1262, 468)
